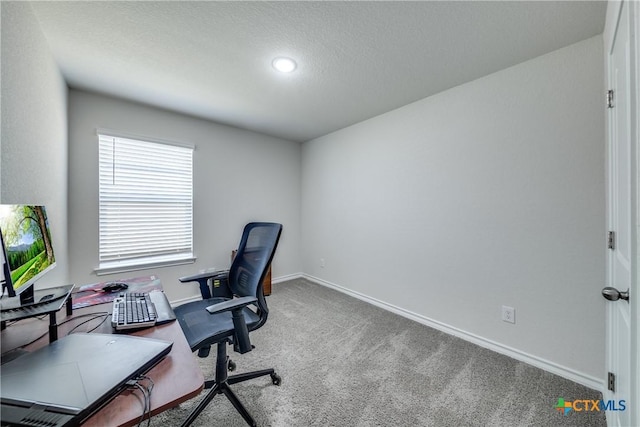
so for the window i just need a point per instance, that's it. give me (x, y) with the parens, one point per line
(145, 204)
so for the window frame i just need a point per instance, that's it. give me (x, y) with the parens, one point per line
(126, 263)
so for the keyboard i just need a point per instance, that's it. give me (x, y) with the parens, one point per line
(132, 311)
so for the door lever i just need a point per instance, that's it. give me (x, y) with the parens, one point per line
(612, 294)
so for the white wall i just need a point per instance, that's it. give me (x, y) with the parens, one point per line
(33, 163)
(489, 194)
(239, 176)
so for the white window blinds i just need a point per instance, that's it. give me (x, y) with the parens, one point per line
(146, 203)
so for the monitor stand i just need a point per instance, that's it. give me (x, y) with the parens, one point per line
(30, 297)
(44, 303)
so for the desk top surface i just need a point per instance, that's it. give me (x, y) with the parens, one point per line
(176, 378)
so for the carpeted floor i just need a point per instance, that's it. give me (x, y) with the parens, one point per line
(347, 363)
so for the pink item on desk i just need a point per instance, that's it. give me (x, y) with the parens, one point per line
(93, 294)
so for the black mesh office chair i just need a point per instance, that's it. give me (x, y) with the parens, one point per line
(229, 318)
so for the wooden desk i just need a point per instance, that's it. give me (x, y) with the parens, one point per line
(176, 378)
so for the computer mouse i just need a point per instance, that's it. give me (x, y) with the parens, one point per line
(114, 287)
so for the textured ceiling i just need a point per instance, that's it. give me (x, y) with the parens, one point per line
(355, 59)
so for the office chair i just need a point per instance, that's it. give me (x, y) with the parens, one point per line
(229, 318)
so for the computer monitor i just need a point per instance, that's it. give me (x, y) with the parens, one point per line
(27, 251)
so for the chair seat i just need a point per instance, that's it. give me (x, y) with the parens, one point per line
(202, 329)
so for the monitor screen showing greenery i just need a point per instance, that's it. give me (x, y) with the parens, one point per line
(27, 243)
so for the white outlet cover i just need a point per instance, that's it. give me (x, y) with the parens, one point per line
(508, 314)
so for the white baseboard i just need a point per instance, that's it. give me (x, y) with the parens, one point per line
(554, 368)
(286, 277)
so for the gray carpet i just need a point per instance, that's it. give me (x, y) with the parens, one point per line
(347, 363)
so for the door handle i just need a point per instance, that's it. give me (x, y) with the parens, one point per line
(612, 294)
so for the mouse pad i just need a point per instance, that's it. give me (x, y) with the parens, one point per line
(92, 294)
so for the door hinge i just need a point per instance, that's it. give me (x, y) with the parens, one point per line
(610, 98)
(611, 240)
(611, 382)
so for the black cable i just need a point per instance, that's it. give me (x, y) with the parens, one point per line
(144, 377)
(146, 393)
(146, 401)
(79, 316)
(149, 390)
(95, 316)
(34, 340)
(104, 315)
(132, 385)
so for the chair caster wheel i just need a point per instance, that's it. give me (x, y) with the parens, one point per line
(232, 365)
(275, 379)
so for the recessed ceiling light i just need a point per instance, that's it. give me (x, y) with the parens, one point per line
(284, 65)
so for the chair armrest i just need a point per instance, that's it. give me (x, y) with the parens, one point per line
(241, 341)
(231, 305)
(203, 279)
(209, 274)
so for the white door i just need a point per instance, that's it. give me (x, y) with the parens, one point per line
(622, 220)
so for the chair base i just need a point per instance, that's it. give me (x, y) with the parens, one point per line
(221, 386)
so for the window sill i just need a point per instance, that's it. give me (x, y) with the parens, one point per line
(142, 264)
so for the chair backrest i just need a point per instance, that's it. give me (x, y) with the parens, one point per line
(253, 258)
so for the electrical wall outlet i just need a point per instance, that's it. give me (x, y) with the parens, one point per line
(508, 314)
(321, 262)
